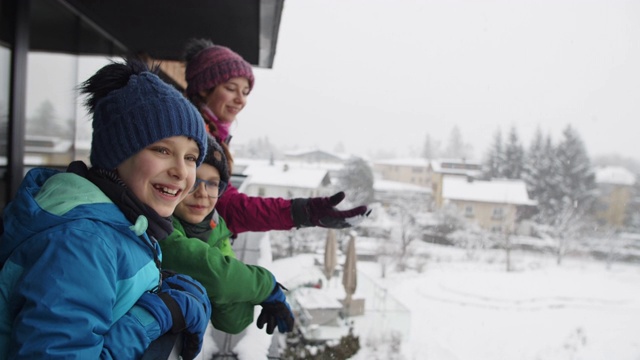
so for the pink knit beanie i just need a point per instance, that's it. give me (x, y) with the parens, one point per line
(210, 65)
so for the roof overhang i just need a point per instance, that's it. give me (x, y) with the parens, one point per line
(155, 28)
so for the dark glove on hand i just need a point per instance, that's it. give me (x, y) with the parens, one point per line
(181, 305)
(321, 211)
(276, 311)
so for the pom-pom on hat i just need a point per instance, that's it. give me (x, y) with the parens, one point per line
(216, 158)
(132, 109)
(209, 65)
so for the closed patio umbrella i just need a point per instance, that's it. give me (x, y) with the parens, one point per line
(330, 257)
(349, 276)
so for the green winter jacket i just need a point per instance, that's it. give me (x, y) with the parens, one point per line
(234, 287)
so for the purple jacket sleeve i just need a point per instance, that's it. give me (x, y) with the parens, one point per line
(252, 213)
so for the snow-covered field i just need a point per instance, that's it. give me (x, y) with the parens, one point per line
(462, 309)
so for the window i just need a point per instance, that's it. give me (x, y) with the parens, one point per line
(468, 211)
(498, 213)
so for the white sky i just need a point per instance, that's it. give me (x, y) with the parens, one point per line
(376, 74)
(382, 74)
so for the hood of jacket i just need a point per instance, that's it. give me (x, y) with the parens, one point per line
(48, 198)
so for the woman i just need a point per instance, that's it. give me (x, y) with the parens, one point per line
(219, 82)
(81, 276)
(199, 246)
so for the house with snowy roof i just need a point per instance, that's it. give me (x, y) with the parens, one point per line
(497, 205)
(423, 172)
(615, 188)
(285, 180)
(414, 171)
(389, 192)
(316, 156)
(463, 168)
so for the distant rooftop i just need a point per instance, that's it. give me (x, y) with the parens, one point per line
(615, 175)
(318, 154)
(396, 186)
(404, 162)
(287, 175)
(500, 191)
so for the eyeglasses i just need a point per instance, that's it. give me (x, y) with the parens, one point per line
(214, 188)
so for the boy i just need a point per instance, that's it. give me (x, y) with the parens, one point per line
(81, 276)
(199, 246)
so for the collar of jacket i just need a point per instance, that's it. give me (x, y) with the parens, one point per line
(127, 202)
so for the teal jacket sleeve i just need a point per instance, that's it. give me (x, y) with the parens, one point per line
(130, 336)
(70, 294)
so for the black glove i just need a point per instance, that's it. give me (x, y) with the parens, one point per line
(321, 211)
(276, 311)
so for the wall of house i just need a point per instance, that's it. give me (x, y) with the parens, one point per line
(409, 174)
(490, 216)
(612, 204)
(436, 186)
(436, 189)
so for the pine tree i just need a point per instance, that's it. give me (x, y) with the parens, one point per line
(578, 179)
(541, 174)
(494, 161)
(534, 166)
(551, 197)
(513, 157)
(430, 149)
(45, 121)
(456, 148)
(356, 178)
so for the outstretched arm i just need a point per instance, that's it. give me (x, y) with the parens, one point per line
(251, 213)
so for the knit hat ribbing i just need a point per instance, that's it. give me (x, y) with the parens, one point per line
(213, 66)
(144, 111)
(216, 158)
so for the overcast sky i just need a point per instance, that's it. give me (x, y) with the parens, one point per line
(382, 74)
(374, 74)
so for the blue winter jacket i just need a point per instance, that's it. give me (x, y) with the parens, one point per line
(74, 267)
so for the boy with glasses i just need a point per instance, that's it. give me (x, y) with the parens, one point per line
(199, 246)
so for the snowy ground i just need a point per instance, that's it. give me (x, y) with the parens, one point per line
(461, 309)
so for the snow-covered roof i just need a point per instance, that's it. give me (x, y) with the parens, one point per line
(396, 186)
(285, 175)
(501, 191)
(311, 151)
(245, 162)
(616, 175)
(456, 166)
(404, 162)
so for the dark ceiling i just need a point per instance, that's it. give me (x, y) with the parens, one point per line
(158, 28)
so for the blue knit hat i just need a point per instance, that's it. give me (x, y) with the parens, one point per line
(143, 111)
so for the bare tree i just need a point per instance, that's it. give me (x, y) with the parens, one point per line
(565, 230)
(430, 149)
(356, 178)
(406, 233)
